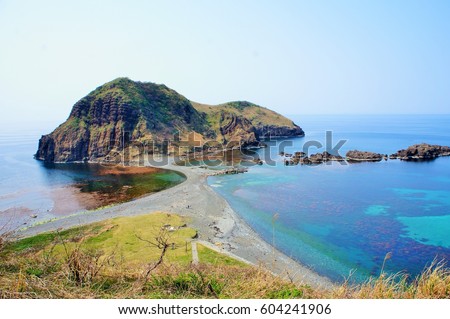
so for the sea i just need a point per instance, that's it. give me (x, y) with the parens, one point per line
(351, 221)
(344, 221)
(33, 192)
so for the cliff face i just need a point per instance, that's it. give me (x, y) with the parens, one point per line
(265, 122)
(116, 113)
(235, 130)
(101, 124)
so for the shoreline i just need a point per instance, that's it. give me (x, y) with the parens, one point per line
(210, 214)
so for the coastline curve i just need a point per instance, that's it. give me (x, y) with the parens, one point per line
(217, 223)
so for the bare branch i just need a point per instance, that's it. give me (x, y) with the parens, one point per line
(161, 241)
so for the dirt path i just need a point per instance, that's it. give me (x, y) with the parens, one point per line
(194, 253)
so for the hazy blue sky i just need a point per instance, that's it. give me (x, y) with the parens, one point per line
(296, 57)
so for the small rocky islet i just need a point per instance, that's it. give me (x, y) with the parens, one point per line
(303, 158)
(417, 152)
(421, 152)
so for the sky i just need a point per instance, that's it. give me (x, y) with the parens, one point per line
(295, 57)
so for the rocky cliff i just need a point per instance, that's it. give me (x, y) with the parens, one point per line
(123, 111)
(266, 122)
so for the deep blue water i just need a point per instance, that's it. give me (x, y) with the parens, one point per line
(342, 218)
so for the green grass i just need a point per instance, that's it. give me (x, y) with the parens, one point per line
(108, 260)
(41, 241)
(287, 293)
(209, 256)
(126, 237)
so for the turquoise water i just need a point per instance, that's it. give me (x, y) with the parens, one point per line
(338, 218)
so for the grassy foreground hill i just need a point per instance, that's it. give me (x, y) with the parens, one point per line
(151, 256)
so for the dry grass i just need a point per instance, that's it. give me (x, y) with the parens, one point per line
(72, 264)
(433, 282)
(84, 274)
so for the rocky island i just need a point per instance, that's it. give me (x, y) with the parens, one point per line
(417, 152)
(303, 158)
(421, 152)
(363, 156)
(121, 112)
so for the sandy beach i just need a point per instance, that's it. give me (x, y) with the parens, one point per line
(217, 224)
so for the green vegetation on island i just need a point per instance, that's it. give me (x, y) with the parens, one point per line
(123, 112)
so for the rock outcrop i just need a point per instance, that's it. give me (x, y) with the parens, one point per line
(101, 124)
(122, 112)
(236, 130)
(318, 158)
(421, 152)
(324, 157)
(279, 131)
(266, 123)
(362, 156)
(412, 153)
